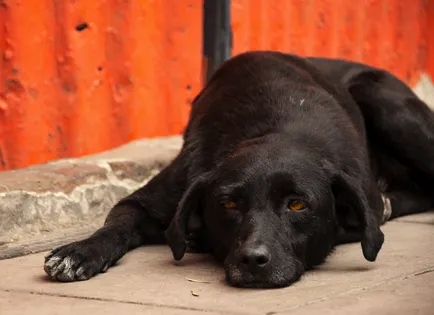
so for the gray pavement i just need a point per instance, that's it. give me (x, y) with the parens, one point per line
(148, 281)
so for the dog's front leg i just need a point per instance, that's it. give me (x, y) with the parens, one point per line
(140, 218)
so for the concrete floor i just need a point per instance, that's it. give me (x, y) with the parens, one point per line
(147, 281)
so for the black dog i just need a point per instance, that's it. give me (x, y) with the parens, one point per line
(283, 158)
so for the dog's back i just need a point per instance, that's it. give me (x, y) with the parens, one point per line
(400, 129)
(349, 72)
(257, 93)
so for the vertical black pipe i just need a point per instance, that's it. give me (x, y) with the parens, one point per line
(217, 35)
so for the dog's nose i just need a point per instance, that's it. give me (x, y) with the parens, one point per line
(255, 256)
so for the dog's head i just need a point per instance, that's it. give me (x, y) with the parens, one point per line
(268, 211)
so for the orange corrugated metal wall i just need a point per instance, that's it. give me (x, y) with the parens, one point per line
(388, 33)
(131, 73)
(79, 77)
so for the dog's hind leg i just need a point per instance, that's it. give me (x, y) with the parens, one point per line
(140, 218)
(400, 129)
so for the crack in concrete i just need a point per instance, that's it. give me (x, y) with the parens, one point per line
(424, 272)
(121, 301)
(415, 222)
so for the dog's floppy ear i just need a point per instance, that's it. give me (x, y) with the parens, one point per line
(190, 202)
(351, 188)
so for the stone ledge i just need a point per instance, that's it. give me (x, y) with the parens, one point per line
(74, 193)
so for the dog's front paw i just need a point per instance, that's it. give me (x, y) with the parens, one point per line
(76, 261)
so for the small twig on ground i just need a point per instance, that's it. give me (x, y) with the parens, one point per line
(197, 281)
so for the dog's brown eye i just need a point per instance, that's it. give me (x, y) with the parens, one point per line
(228, 204)
(296, 205)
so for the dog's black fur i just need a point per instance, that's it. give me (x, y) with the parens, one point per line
(268, 130)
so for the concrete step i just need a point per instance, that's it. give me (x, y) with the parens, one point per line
(148, 281)
(70, 197)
